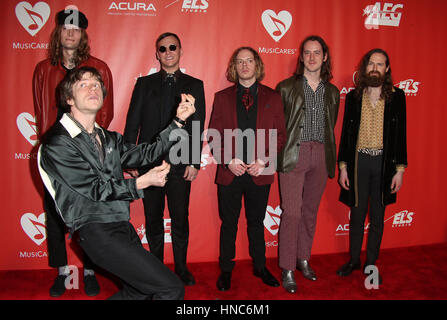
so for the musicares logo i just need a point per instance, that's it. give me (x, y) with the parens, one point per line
(34, 227)
(272, 219)
(141, 231)
(276, 24)
(27, 127)
(32, 18)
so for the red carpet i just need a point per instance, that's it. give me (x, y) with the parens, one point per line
(413, 273)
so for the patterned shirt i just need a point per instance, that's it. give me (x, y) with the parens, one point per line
(371, 124)
(314, 113)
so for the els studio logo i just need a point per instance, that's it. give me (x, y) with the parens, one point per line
(32, 18)
(27, 127)
(410, 86)
(382, 16)
(276, 25)
(34, 227)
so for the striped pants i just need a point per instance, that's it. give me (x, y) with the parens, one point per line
(301, 190)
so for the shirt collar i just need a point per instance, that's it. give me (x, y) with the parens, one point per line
(164, 75)
(72, 128)
(253, 88)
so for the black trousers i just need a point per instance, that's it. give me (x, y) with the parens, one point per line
(369, 193)
(117, 248)
(177, 191)
(230, 204)
(56, 230)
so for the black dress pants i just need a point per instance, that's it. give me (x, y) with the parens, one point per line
(56, 230)
(117, 248)
(230, 204)
(369, 192)
(177, 191)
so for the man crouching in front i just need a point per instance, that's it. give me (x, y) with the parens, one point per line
(82, 166)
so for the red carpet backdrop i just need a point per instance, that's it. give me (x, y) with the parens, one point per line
(122, 33)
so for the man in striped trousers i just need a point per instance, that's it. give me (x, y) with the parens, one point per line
(309, 156)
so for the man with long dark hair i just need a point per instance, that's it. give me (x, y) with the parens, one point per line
(373, 154)
(309, 156)
(248, 108)
(69, 49)
(151, 109)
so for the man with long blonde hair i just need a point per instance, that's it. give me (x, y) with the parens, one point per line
(250, 109)
(68, 50)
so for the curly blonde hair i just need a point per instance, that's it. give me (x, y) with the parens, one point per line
(231, 72)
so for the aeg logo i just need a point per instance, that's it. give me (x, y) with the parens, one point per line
(385, 16)
(410, 86)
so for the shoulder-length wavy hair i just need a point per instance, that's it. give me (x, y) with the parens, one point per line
(55, 49)
(231, 72)
(64, 90)
(360, 81)
(326, 68)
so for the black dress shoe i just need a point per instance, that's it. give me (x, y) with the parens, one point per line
(266, 277)
(186, 277)
(91, 285)
(288, 281)
(306, 270)
(58, 287)
(224, 281)
(347, 268)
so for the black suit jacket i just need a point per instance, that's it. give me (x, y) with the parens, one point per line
(144, 117)
(394, 144)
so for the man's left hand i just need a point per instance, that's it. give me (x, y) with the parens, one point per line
(396, 183)
(255, 168)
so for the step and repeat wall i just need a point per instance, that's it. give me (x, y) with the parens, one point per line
(122, 33)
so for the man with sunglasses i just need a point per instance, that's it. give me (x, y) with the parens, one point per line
(151, 109)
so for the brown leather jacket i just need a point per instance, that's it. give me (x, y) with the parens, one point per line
(45, 80)
(292, 93)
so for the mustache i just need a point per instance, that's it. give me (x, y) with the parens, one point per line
(371, 73)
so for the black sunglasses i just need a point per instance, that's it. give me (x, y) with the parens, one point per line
(172, 47)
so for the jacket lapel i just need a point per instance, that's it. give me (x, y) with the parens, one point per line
(262, 104)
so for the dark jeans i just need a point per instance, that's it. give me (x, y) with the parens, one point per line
(117, 248)
(230, 204)
(177, 191)
(56, 230)
(369, 192)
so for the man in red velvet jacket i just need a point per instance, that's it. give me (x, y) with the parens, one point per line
(251, 115)
(68, 50)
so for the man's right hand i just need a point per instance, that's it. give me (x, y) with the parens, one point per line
(343, 179)
(154, 177)
(237, 167)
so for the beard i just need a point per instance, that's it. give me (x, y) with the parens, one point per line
(374, 79)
